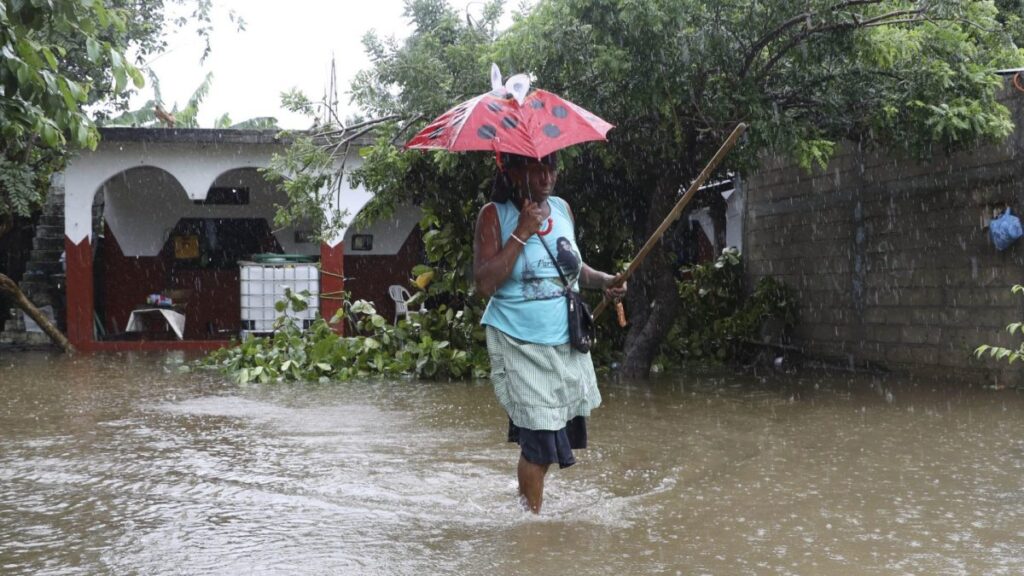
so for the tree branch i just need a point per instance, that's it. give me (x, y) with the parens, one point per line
(408, 124)
(888, 18)
(10, 287)
(890, 22)
(776, 33)
(345, 129)
(768, 39)
(884, 18)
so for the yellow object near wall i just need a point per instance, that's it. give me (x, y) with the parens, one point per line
(186, 247)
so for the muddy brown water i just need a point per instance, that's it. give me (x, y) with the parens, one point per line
(123, 464)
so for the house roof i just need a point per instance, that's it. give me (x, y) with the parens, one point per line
(190, 135)
(205, 136)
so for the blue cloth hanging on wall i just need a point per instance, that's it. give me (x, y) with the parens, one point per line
(1005, 230)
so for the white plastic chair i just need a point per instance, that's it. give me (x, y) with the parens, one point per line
(401, 297)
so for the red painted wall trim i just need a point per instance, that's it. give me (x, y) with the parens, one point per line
(332, 281)
(79, 292)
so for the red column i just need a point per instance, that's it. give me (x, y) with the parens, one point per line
(332, 281)
(79, 292)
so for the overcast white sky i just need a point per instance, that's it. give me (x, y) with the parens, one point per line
(285, 44)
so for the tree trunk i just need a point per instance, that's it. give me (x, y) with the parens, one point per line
(653, 299)
(10, 287)
(661, 300)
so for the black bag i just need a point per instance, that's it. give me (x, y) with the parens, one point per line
(581, 320)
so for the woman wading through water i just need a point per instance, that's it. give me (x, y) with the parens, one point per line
(547, 387)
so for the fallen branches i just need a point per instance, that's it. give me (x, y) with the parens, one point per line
(10, 287)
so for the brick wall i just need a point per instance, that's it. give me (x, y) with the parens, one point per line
(889, 256)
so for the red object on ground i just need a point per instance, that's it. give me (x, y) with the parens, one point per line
(543, 124)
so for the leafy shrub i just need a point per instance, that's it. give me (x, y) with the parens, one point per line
(718, 320)
(1000, 353)
(442, 343)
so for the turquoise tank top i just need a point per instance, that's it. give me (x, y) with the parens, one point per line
(531, 305)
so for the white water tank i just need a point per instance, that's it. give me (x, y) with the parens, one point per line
(264, 283)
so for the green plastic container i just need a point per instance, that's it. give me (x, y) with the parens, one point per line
(270, 258)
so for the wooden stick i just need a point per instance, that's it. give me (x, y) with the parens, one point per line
(10, 287)
(676, 212)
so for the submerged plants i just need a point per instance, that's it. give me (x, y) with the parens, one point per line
(441, 343)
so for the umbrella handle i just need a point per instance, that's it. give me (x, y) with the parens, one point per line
(677, 211)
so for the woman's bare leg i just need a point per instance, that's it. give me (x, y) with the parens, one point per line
(531, 483)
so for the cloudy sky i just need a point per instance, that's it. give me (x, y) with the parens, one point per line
(285, 44)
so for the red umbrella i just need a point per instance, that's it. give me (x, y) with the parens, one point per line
(535, 125)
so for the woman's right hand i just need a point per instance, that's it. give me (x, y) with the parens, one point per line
(531, 216)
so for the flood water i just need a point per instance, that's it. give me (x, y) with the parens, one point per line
(123, 464)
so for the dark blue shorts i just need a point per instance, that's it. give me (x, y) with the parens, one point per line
(550, 446)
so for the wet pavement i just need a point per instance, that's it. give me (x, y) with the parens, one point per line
(124, 464)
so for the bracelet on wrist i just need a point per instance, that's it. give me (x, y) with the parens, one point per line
(518, 239)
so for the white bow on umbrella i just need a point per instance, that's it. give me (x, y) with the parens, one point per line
(517, 85)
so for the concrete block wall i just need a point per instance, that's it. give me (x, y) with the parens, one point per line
(890, 258)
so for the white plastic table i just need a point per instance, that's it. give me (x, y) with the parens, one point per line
(176, 320)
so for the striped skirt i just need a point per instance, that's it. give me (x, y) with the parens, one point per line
(541, 387)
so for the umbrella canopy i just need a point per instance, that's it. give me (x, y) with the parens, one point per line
(534, 125)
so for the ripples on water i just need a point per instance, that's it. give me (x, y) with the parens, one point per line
(124, 464)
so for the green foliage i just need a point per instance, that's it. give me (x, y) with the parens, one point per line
(675, 76)
(719, 321)
(305, 171)
(437, 65)
(40, 96)
(442, 344)
(448, 188)
(999, 352)
(56, 58)
(442, 62)
(187, 116)
(20, 189)
(1011, 15)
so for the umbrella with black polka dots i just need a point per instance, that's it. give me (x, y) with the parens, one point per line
(513, 120)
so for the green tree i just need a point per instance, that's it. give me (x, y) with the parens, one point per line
(1011, 15)
(56, 58)
(437, 66)
(41, 105)
(676, 76)
(185, 117)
